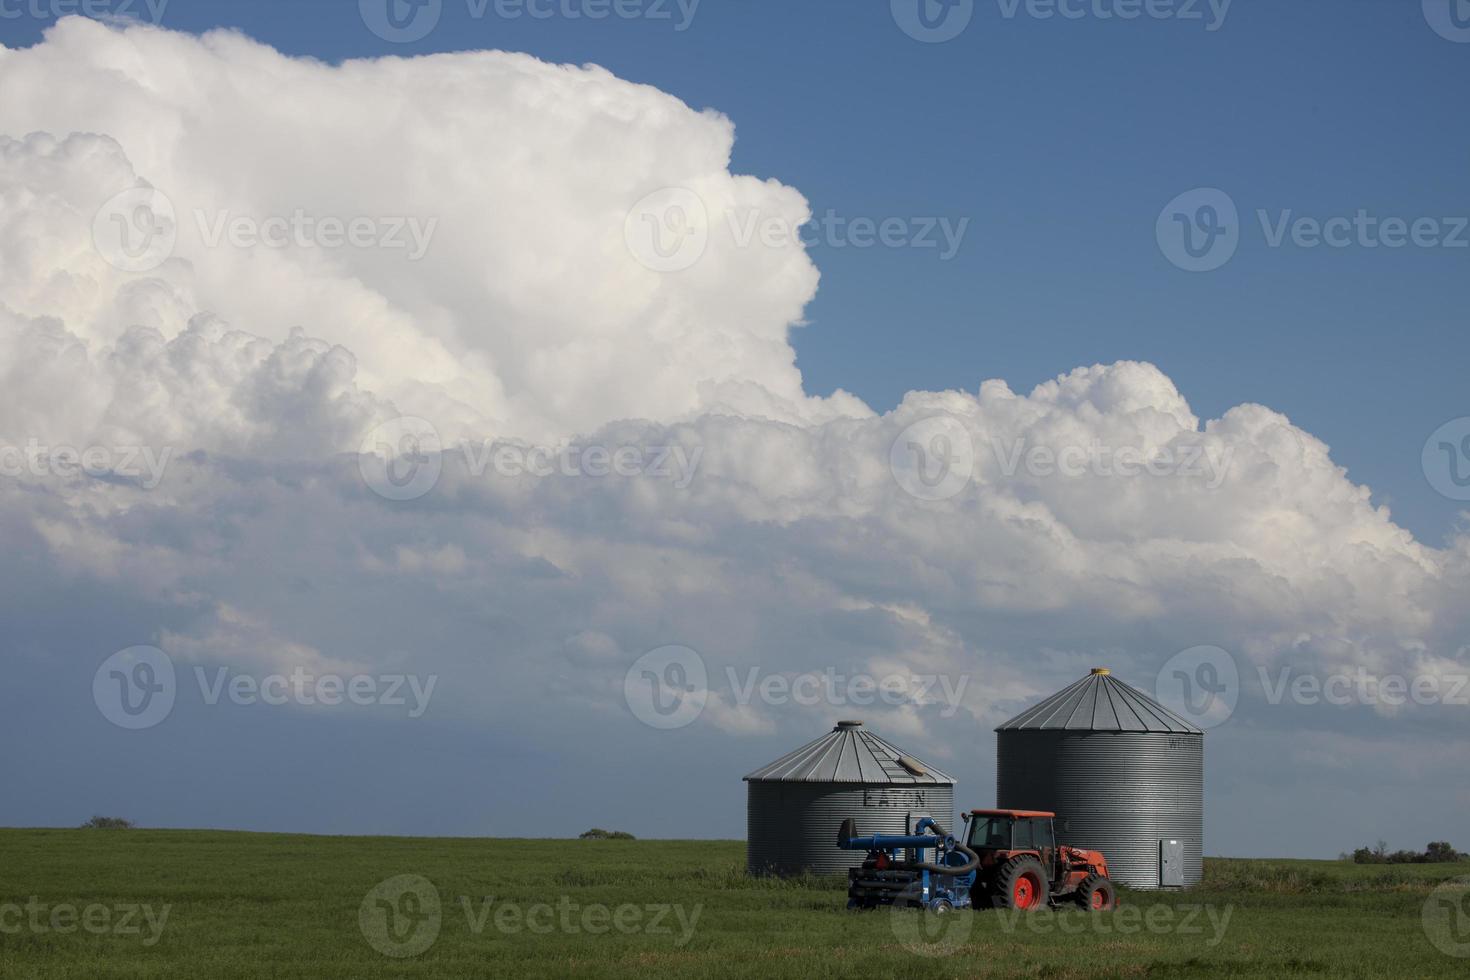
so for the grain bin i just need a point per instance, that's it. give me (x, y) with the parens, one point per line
(796, 804)
(1124, 774)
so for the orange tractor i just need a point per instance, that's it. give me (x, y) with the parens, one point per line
(1005, 859)
(1023, 867)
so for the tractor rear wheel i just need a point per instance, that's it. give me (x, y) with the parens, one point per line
(1021, 885)
(1097, 894)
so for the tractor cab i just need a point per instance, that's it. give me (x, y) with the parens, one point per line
(1011, 830)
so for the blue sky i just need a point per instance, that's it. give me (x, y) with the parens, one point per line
(1055, 143)
(1061, 140)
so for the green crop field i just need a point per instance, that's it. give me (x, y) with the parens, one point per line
(197, 904)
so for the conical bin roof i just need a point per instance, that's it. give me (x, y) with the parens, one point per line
(850, 753)
(1099, 702)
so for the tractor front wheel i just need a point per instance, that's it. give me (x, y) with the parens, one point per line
(1021, 885)
(1097, 894)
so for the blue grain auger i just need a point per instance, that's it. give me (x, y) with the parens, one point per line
(891, 877)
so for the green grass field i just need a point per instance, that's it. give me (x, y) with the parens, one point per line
(199, 904)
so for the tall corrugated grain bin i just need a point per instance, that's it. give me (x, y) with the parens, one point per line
(796, 804)
(1124, 774)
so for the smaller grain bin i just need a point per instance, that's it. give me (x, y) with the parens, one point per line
(1124, 774)
(796, 804)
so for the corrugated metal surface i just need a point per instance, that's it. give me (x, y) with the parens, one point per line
(796, 804)
(850, 753)
(792, 826)
(1100, 703)
(1120, 792)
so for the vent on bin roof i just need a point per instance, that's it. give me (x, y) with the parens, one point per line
(850, 753)
(1099, 702)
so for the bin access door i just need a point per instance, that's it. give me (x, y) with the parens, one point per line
(1171, 863)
